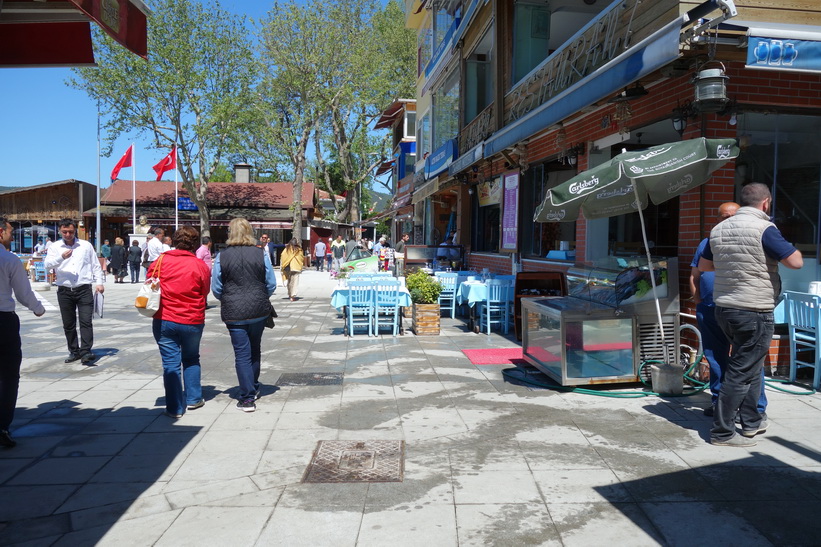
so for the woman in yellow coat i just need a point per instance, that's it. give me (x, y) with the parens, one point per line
(291, 261)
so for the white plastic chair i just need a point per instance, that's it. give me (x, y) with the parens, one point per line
(804, 321)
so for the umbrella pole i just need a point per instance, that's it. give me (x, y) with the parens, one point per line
(652, 276)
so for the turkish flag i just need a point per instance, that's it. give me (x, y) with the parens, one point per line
(167, 163)
(125, 161)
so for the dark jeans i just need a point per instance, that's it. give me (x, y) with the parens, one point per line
(11, 356)
(247, 342)
(179, 348)
(74, 302)
(717, 352)
(750, 333)
(135, 271)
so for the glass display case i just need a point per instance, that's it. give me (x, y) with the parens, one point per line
(606, 326)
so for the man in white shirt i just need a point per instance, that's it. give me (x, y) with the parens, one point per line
(76, 267)
(39, 248)
(155, 246)
(319, 254)
(13, 278)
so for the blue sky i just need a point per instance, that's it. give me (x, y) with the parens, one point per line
(48, 131)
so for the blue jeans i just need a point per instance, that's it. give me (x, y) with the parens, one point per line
(179, 345)
(717, 352)
(750, 334)
(247, 342)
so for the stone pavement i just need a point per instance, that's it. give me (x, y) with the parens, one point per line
(484, 462)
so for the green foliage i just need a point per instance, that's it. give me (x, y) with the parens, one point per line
(423, 288)
(198, 74)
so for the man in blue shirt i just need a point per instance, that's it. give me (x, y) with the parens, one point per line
(13, 278)
(744, 251)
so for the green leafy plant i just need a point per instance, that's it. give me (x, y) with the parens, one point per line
(423, 288)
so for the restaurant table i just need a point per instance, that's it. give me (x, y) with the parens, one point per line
(339, 300)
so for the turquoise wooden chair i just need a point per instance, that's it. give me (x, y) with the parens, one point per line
(804, 321)
(447, 298)
(360, 309)
(495, 310)
(386, 303)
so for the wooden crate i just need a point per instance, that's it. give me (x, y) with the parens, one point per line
(426, 319)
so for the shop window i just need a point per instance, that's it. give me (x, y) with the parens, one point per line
(531, 37)
(423, 142)
(479, 77)
(784, 152)
(424, 48)
(538, 238)
(446, 111)
(410, 124)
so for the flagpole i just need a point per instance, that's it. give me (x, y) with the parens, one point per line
(99, 231)
(176, 195)
(133, 188)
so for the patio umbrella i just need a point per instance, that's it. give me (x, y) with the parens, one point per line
(626, 182)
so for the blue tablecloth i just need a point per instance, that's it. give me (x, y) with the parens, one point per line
(471, 292)
(339, 298)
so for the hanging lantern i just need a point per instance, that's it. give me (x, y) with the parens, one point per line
(711, 90)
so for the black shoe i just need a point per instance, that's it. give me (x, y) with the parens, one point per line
(6, 440)
(88, 358)
(710, 411)
(73, 357)
(247, 405)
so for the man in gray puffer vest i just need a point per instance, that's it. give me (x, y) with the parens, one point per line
(744, 252)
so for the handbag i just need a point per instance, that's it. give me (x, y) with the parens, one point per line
(148, 298)
(145, 262)
(269, 322)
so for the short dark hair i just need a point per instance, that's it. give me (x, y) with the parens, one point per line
(186, 238)
(159, 231)
(135, 242)
(753, 193)
(67, 222)
(3, 221)
(205, 240)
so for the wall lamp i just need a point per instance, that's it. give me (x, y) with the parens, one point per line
(681, 114)
(574, 152)
(711, 89)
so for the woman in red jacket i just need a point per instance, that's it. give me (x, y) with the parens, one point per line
(178, 324)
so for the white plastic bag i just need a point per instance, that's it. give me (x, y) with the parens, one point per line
(148, 299)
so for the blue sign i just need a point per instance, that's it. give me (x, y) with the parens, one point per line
(784, 54)
(440, 159)
(185, 204)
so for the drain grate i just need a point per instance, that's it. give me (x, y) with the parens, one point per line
(357, 461)
(310, 379)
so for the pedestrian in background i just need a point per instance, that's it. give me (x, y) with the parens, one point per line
(76, 268)
(291, 260)
(119, 260)
(338, 253)
(319, 255)
(745, 251)
(243, 281)
(105, 252)
(135, 254)
(180, 320)
(329, 255)
(204, 254)
(13, 279)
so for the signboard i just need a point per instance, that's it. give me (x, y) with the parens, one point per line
(784, 54)
(440, 159)
(510, 212)
(186, 204)
(490, 192)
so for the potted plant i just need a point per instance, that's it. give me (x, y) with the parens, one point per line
(341, 276)
(424, 291)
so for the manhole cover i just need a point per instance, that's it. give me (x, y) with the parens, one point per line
(357, 461)
(310, 379)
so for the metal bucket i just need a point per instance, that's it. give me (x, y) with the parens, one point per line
(667, 379)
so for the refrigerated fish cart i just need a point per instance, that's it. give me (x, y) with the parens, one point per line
(607, 325)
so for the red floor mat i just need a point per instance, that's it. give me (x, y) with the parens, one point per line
(495, 356)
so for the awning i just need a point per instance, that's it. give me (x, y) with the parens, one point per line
(385, 167)
(647, 56)
(780, 46)
(58, 33)
(425, 191)
(220, 216)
